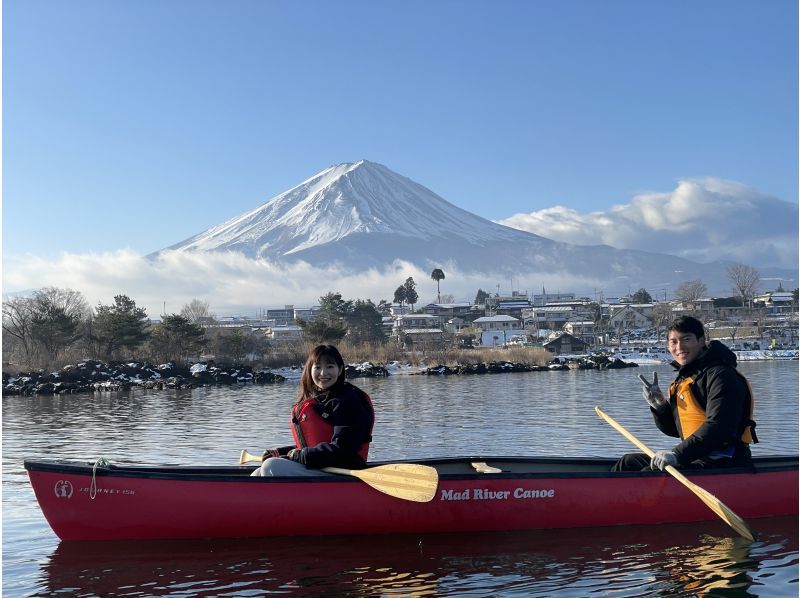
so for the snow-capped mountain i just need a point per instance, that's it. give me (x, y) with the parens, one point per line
(342, 203)
(360, 215)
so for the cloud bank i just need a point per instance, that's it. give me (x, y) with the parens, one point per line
(237, 285)
(701, 220)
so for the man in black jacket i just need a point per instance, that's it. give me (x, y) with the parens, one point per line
(710, 405)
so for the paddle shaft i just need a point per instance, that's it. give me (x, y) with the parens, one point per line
(713, 503)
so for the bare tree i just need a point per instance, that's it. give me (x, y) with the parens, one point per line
(744, 280)
(46, 324)
(18, 322)
(690, 291)
(661, 315)
(198, 312)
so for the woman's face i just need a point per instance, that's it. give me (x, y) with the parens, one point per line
(325, 373)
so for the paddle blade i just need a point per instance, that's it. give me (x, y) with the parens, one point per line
(711, 501)
(246, 457)
(720, 508)
(408, 481)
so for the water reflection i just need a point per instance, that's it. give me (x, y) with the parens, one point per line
(674, 560)
(541, 413)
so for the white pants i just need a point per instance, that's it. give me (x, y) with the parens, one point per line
(280, 467)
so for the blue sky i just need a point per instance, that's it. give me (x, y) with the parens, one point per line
(136, 124)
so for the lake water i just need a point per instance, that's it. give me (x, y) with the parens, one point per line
(536, 413)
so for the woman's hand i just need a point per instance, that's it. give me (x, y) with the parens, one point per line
(271, 452)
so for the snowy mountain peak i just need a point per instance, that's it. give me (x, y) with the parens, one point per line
(347, 199)
(363, 215)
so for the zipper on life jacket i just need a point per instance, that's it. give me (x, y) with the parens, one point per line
(298, 430)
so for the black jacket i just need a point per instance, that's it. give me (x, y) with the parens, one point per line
(723, 394)
(352, 419)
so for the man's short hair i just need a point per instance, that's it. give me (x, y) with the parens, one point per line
(687, 324)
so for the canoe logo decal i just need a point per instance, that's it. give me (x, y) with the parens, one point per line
(487, 494)
(63, 489)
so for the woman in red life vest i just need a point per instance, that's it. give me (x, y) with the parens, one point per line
(331, 422)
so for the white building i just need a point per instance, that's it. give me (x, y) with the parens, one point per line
(497, 330)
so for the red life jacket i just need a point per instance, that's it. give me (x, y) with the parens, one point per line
(309, 428)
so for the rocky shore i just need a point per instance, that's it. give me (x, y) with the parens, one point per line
(94, 376)
(585, 363)
(97, 376)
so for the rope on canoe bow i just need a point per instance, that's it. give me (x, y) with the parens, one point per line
(100, 462)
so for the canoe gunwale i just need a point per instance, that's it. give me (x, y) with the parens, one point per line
(574, 467)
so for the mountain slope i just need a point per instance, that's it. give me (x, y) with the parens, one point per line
(361, 215)
(343, 201)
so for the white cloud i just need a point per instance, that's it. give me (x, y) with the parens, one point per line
(235, 284)
(701, 220)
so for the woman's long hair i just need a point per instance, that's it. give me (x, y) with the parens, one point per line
(317, 354)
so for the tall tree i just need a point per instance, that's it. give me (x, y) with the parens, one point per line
(690, 291)
(117, 327)
(365, 323)
(642, 296)
(745, 281)
(330, 325)
(411, 291)
(437, 275)
(481, 296)
(322, 331)
(175, 339)
(384, 307)
(400, 296)
(333, 309)
(58, 320)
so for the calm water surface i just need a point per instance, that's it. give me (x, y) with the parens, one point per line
(537, 413)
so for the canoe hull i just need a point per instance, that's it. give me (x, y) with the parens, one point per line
(174, 502)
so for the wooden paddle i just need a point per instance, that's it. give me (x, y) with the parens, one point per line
(711, 501)
(409, 481)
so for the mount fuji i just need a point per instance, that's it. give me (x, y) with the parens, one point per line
(363, 215)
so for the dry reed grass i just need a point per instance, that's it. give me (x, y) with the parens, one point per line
(387, 353)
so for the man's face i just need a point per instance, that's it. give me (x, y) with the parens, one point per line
(684, 346)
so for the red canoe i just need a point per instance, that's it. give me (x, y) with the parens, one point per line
(116, 502)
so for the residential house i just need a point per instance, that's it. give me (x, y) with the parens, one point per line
(775, 302)
(508, 306)
(629, 318)
(449, 310)
(581, 329)
(565, 344)
(497, 330)
(415, 329)
(547, 317)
